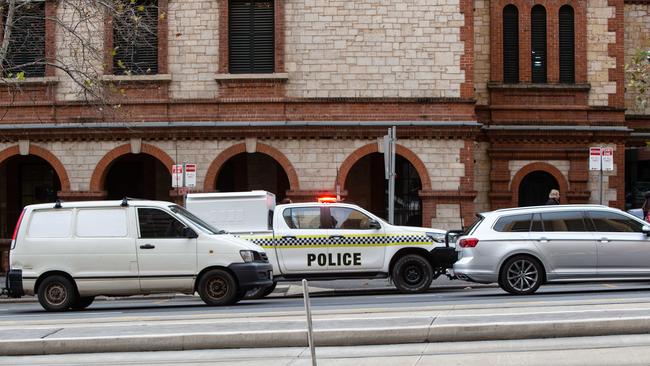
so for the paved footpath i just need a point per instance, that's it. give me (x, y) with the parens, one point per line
(583, 351)
(367, 326)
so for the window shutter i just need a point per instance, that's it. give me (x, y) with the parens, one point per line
(136, 42)
(251, 41)
(567, 45)
(538, 44)
(510, 44)
(27, 42)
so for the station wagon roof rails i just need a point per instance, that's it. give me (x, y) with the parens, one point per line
(125, 202)
(57, 204)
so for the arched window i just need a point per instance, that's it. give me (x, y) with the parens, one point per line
(538, 43)
(567, 45)
(510, 44)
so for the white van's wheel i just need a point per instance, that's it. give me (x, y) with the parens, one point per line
(412, 273)
(56, 293)
(218, 287)
(82, 302)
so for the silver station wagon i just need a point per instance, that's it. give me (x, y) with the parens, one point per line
(522, 248)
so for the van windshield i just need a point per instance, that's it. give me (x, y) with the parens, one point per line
(204, 226)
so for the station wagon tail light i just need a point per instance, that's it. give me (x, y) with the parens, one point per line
(13, 238)
(468, 242)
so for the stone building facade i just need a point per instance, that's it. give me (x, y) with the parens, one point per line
(343, 72)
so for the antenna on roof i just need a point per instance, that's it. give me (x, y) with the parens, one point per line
(57, 204)
(125, 202)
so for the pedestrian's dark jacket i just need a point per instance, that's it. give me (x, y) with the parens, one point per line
(552, 201)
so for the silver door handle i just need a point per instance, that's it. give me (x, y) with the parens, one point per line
(604, 240)
(543, 240)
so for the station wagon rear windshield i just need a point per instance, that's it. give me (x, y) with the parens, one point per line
(204, 226)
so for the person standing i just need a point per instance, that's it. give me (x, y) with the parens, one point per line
(553, 197)
(646, 207)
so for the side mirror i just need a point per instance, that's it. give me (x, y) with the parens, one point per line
(374, 224)
(189, 233)
(646, 230)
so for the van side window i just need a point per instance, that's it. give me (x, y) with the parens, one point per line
(612, 222)
(514, 223)
(50, 224)
(347, 218)
(156, 223)
(564, 221)
(302, 217)
(101, 223)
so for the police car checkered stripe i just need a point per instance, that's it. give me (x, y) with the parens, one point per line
(345, 240)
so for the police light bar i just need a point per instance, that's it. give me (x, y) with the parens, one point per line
(327, 199)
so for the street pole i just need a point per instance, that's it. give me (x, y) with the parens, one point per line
(392, 133)
(600, 177)
(310, 327)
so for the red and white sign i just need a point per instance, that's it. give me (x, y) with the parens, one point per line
(594, 158)
(190, 175)
(608, 159)
(177, 175)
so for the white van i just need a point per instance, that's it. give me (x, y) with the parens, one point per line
(68, 253)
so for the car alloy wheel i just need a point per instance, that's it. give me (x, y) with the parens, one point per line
(522, 275)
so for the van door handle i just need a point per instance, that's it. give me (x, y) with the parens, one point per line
(147, 246)
(543, 240)
(336, 237)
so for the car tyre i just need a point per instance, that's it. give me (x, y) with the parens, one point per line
(56, 293)
(218, 287)
(521, 275)
(82, 302)
(412, 273)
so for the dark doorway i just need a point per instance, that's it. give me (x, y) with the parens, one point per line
(247, 172)
(24, 180)
(535, 187)
(138, 176)
(368, 188)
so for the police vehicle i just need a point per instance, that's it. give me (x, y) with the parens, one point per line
(328, 239)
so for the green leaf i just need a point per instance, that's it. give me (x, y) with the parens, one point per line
(20, 75)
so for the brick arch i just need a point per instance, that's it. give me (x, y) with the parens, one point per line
(409, 155)
(533, 167)
(45, 155)
(216, 165)
(101, 170)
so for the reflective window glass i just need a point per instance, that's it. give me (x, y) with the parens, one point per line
(156, 223)
(563, 221)
(613, 222)
(514, 223)
(302, 217)
(347, 218)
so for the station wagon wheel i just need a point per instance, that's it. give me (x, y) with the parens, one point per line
(218, 287)
(521, 275)
(412, 273)
(56, 293)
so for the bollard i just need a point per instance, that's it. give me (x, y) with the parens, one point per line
(310, 328)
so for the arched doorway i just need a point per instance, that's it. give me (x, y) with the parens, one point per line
(252, 171)
(24, 180)
(367, 187)
(535, 187)
(138, 176)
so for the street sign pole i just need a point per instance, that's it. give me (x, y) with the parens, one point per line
(600, 194)
(392, 137)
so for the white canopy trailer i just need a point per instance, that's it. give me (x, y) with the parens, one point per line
(237, 212)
